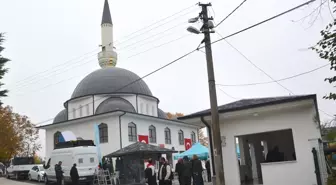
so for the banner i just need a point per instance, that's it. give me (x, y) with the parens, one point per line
(161, 145)
(97, 142)
(143, 138)
(187, 143)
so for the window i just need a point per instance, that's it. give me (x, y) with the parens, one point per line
(73, 113)
(132, 132)
(80, 111)
(193, 137)
(103, 133)
(80, 160)
(91, 160)
(152, 134)
(167, 136)
(181, 137)
(147, 109)
(57, 137)
(153, 114)
(87, 110)
(141, 108)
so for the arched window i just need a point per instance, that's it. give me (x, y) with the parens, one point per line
(87, 109)
(167, 136)
(181, 137)
(193, 137)
(73, 113)
(152, 134)
(57, 136)
(132, 132)
(103, 133)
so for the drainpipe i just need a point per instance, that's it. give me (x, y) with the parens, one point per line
(211, 144)
(120, 129)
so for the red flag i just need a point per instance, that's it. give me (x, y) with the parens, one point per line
(143, 138)
(187, 143)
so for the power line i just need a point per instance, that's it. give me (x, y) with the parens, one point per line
(228, 36)
(227, 94)
(67, 62)
(151, 73)
(279, 80)
(231, 13)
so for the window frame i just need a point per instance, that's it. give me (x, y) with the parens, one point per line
(193, 137)
(152, 134)
(167, 135)
(103, 133)
(132, 137)
(180, 135)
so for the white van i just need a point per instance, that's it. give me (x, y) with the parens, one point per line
(85, 157)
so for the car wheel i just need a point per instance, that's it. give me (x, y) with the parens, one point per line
(29, 177)
(38, 179)
(16, 176)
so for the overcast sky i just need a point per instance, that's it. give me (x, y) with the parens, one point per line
(57, 42)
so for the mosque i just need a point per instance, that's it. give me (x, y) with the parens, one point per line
(122, 105)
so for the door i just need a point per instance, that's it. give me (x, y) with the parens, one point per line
(33, 173)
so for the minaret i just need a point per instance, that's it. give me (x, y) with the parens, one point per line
(107, 57)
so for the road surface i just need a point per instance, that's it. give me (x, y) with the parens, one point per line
(4, 181)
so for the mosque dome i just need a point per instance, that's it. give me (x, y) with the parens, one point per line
(162, 114)
(61, 116)
(113, 104)
(111, 80)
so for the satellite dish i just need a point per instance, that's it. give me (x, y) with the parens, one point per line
(193, 30)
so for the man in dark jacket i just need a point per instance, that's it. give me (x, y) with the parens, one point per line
(74, 175)
(179, 169)
(187, 171)
(197, 171)
(59, 173)
(150, 174)
(165, 175)
(207, 167)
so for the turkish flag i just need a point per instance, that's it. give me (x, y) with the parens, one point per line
(187, 143)
(143, 138)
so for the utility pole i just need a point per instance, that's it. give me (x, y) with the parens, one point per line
(215, 128)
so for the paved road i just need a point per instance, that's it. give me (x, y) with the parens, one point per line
(4, 181)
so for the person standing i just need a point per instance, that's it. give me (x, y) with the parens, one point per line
(179, 170)
(150, 174)
(207, 167)
(187, 171)
(165, 173)
(59, 173)
(197, 171)
(74, 175)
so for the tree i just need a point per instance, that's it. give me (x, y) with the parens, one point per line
(3, 70)
(174, 116)
(18, 135)
(326, 48)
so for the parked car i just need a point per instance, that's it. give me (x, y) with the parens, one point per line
(36, 173)
(19, 167)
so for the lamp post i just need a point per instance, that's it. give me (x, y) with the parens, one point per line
(215, 128)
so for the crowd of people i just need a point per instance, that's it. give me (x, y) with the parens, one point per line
(189, 172)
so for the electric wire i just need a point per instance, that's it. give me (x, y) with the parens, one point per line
(230, 13)
(216, 41)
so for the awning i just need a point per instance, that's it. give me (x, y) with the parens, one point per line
(198, 149)
(138, 148)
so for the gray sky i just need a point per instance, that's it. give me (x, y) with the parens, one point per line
(42, 34)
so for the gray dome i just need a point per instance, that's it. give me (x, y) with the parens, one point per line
(162, 114)
(61, 116)
(112, 104)
(111, 80)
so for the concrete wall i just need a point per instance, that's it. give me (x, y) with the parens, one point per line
(299, 119)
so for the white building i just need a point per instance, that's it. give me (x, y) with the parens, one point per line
(120, 102)
(290, 123)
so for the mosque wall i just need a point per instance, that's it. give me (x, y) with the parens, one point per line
(85, 129)
(147, 106)
(142, 127)
(80, 107)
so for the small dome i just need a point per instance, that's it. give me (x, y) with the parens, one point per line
(61, 116)
(113, 104)
(111, 80)
(162, 114)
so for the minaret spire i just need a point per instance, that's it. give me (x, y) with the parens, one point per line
(107, 57)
